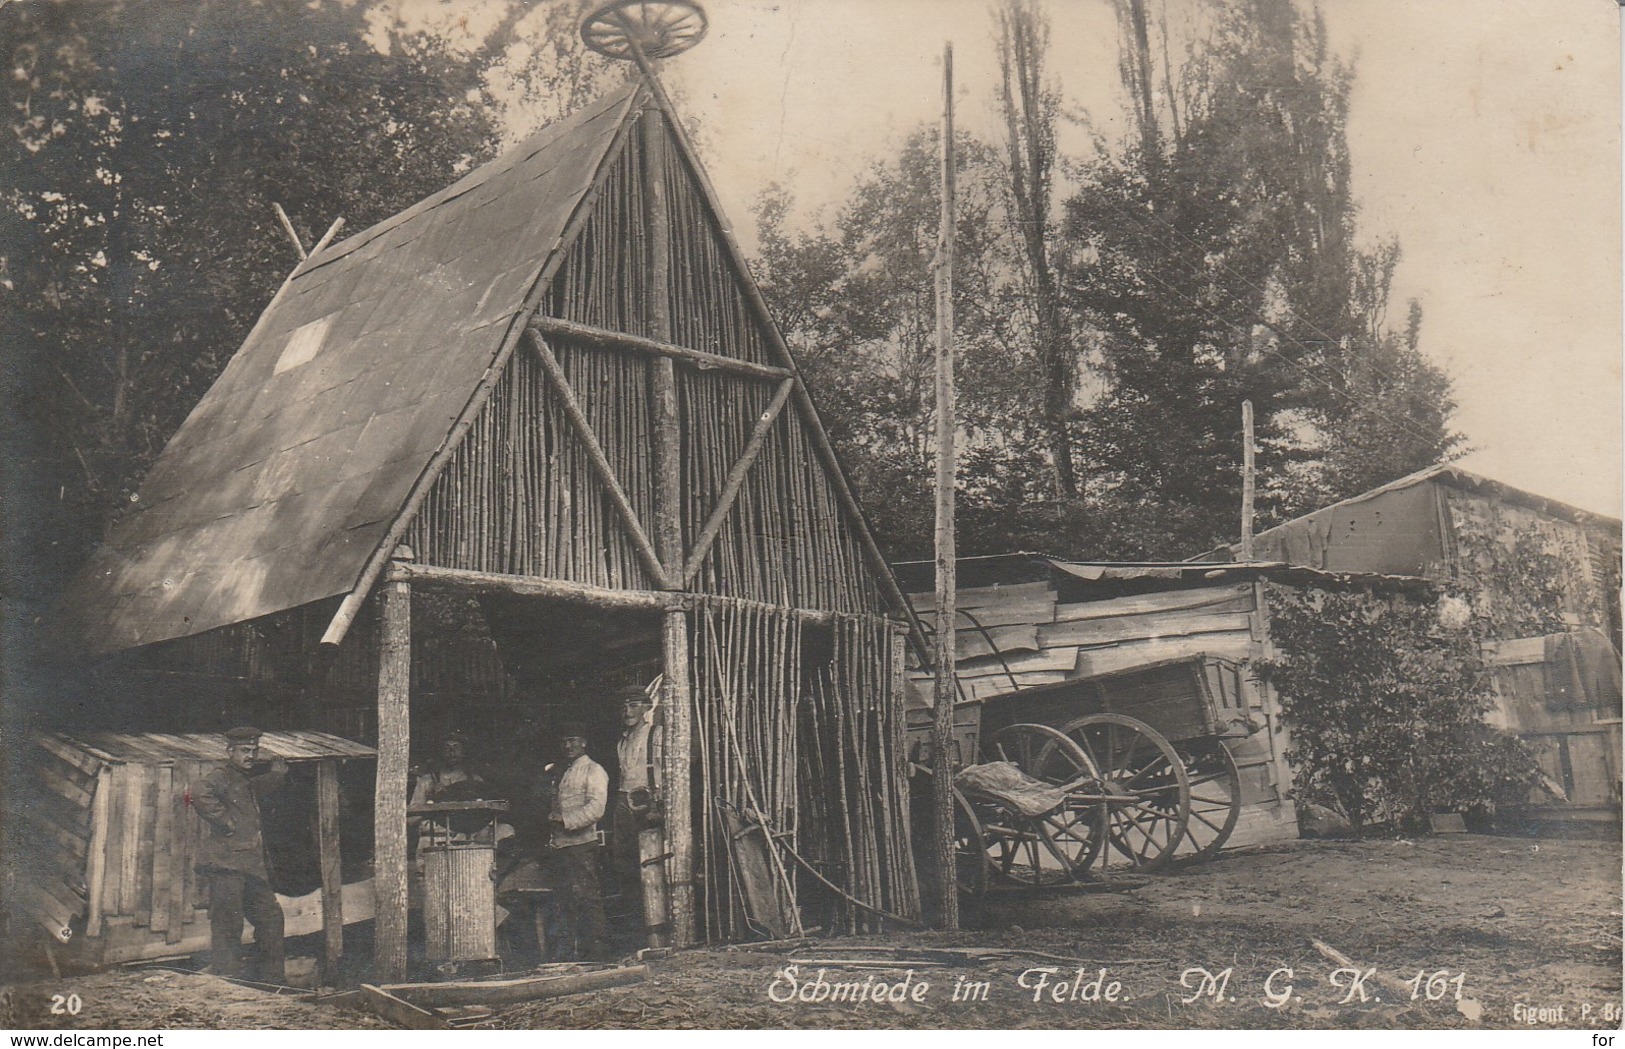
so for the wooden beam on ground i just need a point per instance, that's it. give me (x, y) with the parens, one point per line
(389, 793)
(526, 989)
(735, 481)
(399, 1011)
(652, 562)
(327, 853)
(605, 339)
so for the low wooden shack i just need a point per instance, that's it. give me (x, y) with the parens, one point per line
(1173, 644)
(1545, 584)
(114, 842)
(533, 438)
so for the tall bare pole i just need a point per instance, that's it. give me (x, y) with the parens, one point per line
(942, 729)
(1246, 480)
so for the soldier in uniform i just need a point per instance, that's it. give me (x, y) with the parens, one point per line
(232, 856)
(635, 801)
(577, 806)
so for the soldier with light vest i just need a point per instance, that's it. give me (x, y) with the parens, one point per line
(578, 804)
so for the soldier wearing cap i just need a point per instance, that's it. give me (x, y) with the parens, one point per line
(232, 856)
(635, 803)
(583, 794)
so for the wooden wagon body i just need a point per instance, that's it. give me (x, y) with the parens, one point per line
(111, 843)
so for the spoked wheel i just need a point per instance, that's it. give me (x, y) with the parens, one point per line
(1059, 845)
(1146, 789)
(970, 853)
(660, 28)
(1215, 797)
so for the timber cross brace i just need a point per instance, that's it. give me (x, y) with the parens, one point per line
(673, 575)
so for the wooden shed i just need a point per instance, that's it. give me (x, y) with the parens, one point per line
(111, 870)
(1545, 580)
(532, 438)
(1173, 644)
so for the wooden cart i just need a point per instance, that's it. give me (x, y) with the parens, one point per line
(1136, 763)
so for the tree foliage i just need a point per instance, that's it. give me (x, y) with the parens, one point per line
(1218, 250)
(1213, 257)
(1386, 704)
(147, 141)
(854, 299)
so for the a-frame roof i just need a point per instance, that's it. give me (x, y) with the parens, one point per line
(286, 477)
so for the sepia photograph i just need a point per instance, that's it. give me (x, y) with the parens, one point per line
(727, 515)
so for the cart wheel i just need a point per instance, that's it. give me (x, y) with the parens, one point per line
(1215, 798)
(1148, 791)
(661, 28)
(1060, 845)
(970, 853)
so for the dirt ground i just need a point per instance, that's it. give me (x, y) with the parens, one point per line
(1527, 931)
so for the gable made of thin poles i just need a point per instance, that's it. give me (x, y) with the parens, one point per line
(521, 495)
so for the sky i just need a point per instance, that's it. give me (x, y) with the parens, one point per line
(1485, 136)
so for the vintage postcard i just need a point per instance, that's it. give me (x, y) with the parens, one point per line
(903, 514)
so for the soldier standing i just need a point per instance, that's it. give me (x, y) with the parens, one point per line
(232, 857)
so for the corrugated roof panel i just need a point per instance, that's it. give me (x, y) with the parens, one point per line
(408, 306)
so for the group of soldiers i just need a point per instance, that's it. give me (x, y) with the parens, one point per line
(554, 840)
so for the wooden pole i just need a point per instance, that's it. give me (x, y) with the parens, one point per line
(1247, 481)
(389, 792)
(655, 564)
(668, 491)
(942, 728)
(734, 482)
(287, 227)
(604, 339)
(327, 852)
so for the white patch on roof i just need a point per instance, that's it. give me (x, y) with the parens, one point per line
(303, 344)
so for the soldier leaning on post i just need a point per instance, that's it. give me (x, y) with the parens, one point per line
(232, 856)
(636, 804)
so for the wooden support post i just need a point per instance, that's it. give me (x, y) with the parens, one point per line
(101, 812)
(1247, 481)
(942, 727)
(676, 786)
(668, 492)
(327, 853)
(389, 794)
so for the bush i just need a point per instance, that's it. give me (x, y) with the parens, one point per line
(1385, 700)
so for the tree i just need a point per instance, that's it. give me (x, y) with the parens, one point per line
(1216, 249)
(854, 300)
(148, 141)
(1030, 104)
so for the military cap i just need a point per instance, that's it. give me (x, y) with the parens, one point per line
(572, 728)
(244, 734)
(633, 694)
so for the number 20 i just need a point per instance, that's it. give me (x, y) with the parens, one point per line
(69, 1004)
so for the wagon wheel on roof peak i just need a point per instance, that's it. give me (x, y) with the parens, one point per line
(1145, 786)
(1215, 797)
(1060, 845)
(659, 28)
